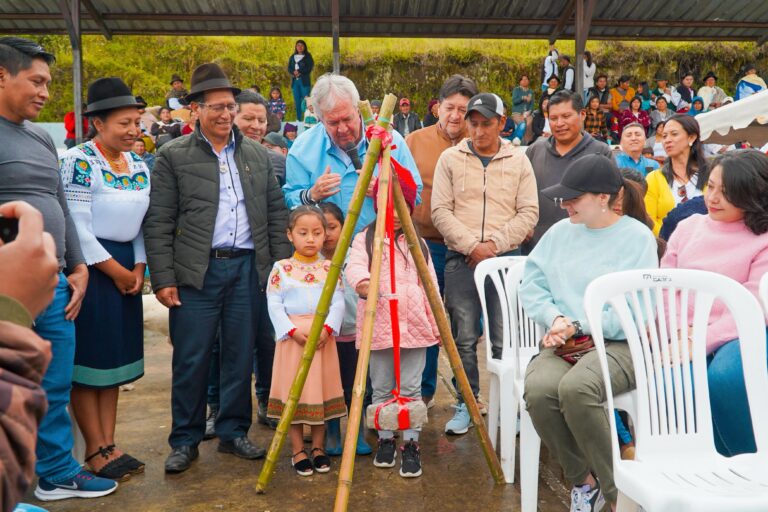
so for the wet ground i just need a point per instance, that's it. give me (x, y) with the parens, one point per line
(456, 477)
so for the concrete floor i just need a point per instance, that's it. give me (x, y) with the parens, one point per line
(455, 478)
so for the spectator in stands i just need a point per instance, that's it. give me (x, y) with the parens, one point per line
(206, 241)
(549, 67)
(589, 74)
(319, 165)
(684, 173)
(522, 101)
(166, 129)
(697, 106)
(432, 113)
(290, 132)
(427, 145)
(663, 90)
(658, 142)
(712, 95)
(565, 398)
(686, 94)
(632, 144)
(621, 95)
(107, 189)
(540, 121)
(300, 67)
(644, 91)
(594, 121)
(276, 104)
(25, 355)
(69, 125)
(275, 142)
(635, 114)
(29, 171)
(310, 119)
(553, 85)
(176, 93)
(140, 148)
(550, 157)
(568, 72)
(731, 239)
(375, 107)
(189, 126)
(147, 120)
(601, 90)
(660, 114)
(406, 121)
(484, 204)
(750, 83)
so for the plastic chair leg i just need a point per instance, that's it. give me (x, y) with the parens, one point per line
(508, 428)
(494, 401)
(530, 445)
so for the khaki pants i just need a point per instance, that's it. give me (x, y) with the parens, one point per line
(565, 404)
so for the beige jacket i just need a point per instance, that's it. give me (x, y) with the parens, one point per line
(472, 205)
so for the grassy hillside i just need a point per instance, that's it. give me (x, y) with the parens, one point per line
(406, 67)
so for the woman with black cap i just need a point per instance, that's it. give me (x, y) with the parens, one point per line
(563, 385)
(107, 189)
(300, 68)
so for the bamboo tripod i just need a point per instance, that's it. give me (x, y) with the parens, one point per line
(435, 302)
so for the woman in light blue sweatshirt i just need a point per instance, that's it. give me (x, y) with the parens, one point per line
(564, 399)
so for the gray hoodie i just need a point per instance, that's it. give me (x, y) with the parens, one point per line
(549, 167)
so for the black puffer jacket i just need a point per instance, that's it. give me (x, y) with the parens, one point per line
(184, 202)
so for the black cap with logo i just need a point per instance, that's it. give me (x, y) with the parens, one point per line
(596, 174)
(487, 103)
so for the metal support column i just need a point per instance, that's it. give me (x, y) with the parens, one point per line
(335, 36)
(70, 9)
(582, 22)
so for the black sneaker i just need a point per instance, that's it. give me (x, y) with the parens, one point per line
(385, 454)
(410, 463)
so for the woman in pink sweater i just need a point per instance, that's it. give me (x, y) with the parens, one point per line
(732, 239)
(418, 330)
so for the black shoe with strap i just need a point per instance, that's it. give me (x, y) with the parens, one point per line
(304, 466)
(180, 459)
(321, 462)
(242, 447)
(134, 466)
(114, 469)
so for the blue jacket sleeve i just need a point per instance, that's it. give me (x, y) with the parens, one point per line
(298, 178)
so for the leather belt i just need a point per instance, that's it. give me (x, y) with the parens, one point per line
(226, 254)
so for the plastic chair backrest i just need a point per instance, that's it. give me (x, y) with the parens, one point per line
(764, 291)
(526, 332)
(673, 410)
(496, 270)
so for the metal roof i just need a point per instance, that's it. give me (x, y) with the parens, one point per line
(734, 20)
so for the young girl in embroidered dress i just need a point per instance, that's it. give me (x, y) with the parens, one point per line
(418, 331)
(295, 285)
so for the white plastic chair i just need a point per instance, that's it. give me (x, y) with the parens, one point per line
(520, 341)
(764, 291)
(677, 466)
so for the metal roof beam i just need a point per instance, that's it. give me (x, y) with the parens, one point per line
(565, 17)
(97, 18)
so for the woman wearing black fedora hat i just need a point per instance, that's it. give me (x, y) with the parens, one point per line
(712, 95)
(563, 384)
(107, 189)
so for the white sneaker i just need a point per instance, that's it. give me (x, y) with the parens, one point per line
(586, 499)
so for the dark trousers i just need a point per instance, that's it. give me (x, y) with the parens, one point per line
(429, 377)
(263, 354)
(226, 301)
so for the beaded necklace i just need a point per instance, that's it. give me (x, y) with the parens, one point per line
(116, 162)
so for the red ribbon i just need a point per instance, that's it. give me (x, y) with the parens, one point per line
(403, 416)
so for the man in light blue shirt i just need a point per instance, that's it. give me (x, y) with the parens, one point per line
(632, 143)
(324, 162)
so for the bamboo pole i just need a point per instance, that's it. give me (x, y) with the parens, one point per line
(444, 326)
(323, 305)
(358, 390)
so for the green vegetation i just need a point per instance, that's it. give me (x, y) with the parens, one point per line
(407, 67)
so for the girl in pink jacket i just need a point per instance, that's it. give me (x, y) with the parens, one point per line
(418, 331)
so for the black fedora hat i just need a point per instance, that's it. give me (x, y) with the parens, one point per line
(176, 78)
(208, 77)
(710, 74)
(110, 93)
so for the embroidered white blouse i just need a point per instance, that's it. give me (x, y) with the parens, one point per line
(105, 204)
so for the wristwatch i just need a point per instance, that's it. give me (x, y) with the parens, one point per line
(579, 330)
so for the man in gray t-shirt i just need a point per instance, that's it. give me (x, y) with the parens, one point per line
(29, 172)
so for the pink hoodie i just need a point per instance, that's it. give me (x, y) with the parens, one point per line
(728, 248)
(417, 324)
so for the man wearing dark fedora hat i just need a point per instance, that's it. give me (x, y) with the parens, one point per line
(29, 172)
(215, 226)
(177, 92)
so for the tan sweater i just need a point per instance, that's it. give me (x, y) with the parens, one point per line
(426, 146)
(472, 205)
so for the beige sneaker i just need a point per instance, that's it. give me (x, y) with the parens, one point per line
(482, 405)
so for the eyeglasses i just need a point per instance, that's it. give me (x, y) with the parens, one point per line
(218, 109)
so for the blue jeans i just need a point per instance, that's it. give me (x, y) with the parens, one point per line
(54, 440)
(732, 423)
(226, 302)
(429, 376)
(300, 91)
